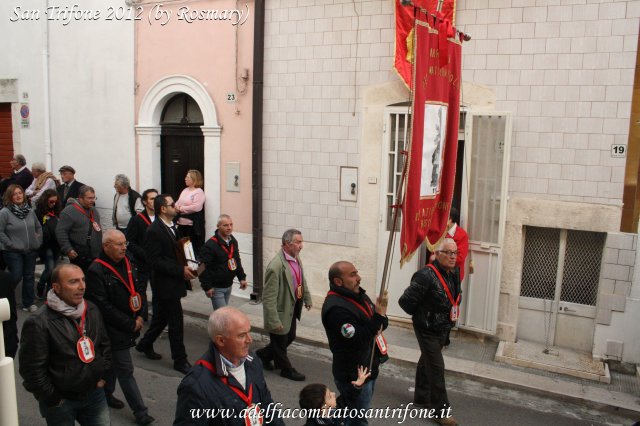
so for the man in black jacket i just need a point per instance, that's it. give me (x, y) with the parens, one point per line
(226, 377)
(112, 284)
(21, 175)
(65, 353)
(433, 300)
(354, 328)
(221, 258)
(169, 278)
(70, 186)
(135, 234)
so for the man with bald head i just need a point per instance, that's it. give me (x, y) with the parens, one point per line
(354, 328)
(65, 353)
(226, 376)
(112, 284)
(433, 300)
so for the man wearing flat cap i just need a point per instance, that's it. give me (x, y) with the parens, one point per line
(70, 186)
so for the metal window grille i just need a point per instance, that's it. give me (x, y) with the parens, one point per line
(582, 267)
(540, 263)
(578, 254)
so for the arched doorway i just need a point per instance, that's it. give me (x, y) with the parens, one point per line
(181, 142)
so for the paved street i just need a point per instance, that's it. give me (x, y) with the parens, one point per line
(475, 403)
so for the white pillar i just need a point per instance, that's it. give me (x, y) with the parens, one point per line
(8, 402)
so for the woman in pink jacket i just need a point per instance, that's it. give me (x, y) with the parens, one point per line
(190, 207)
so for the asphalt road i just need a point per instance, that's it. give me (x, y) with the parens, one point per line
(474, 403)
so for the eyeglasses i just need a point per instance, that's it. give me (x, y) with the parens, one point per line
(449, 253)
(171, 205)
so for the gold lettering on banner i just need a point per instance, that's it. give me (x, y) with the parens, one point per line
(424, 216)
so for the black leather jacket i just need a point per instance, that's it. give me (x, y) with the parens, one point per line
(112, 297)
(49, 362)
(217, 273)
(426, 300)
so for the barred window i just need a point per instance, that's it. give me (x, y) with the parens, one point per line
(564, 260)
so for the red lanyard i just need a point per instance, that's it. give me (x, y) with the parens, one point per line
(130, 286)
(224, 247)
(144, 218)
(247, 398)
(297, 275)
(80, 327)
(51, 214)
(81, 210)
(444, 285)
(368, 312)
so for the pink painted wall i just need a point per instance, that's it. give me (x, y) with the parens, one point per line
(206, 51)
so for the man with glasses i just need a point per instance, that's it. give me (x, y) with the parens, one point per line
(169, 279)
(112, 284)
(79, 232)
(433, 300)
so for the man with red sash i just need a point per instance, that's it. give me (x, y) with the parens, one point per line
(285, 291)
(135, 234)
(112, 284)
(221, 258)
(433, 300)
(79, 232)
(226, 377)
(65, 354)
(354, 328)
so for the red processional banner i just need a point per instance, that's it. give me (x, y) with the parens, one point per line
(405, 19)
(434, 136)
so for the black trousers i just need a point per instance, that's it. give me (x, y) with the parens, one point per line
(276, 350)
(169, 313)
(430, 387)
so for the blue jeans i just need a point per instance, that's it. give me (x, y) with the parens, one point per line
(22, 266)
(356, 399)
(122, 369)
(220, 297)
(90, 411)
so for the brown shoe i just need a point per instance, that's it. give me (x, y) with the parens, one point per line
(447, 421)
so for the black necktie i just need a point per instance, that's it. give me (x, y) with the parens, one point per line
(66, 190)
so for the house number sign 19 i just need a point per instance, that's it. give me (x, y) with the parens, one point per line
(619, 151)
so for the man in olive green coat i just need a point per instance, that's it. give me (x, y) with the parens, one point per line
(284, 292)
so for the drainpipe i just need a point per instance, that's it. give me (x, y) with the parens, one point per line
(256, 148)
(48, 160)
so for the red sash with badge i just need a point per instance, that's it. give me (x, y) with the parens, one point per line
(144, 218)
(84, 346)
(298, 276)
(455, 310)
(381, 342)
(96, 225)
(135, 301)
(253, 416)
(231, 262)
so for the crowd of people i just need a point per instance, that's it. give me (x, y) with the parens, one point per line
(76, 346)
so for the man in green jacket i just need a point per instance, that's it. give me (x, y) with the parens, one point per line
(284, 292)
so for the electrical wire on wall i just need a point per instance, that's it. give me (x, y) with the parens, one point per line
(241, 79)
(355, 66)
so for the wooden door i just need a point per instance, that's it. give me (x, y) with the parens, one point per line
(6, 139)
(182, 150)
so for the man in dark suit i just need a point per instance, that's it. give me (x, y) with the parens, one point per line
(21, 174)
(169, 278)
(70, 186)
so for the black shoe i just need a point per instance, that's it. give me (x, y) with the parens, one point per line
(144, 420)
(182, 367)
(149, 353)
(267, 365)
(292, 375)
(114, 402)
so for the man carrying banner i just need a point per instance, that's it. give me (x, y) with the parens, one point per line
(433, 299)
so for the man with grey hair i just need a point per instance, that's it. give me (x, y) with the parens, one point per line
(221, 257)
(42, 180)
(433, 301)
(284, 292)
(226, 377)
(79, 232)
(126, 203)
(20, 175)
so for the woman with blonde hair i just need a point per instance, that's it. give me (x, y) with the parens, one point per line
(190, 207)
